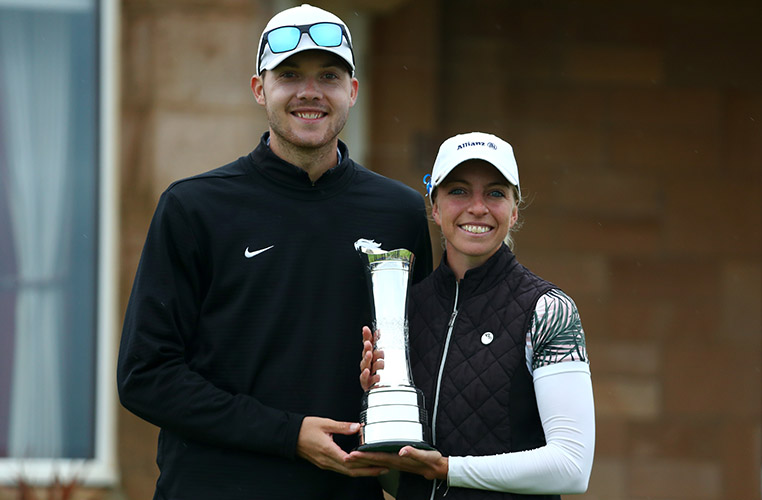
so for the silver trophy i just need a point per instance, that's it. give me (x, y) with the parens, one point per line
(393, 411)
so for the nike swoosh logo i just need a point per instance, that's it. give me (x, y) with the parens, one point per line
(249, 254)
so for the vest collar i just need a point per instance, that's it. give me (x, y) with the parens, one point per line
(479, 279)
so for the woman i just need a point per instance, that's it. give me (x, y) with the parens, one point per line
(498, 352)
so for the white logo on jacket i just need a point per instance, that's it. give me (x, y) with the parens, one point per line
(249, 254)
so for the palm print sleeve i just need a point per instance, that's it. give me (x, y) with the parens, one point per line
(555, 333)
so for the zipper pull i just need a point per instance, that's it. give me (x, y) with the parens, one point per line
(452, 318)
(455, 306)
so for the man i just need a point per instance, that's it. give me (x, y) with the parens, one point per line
(241, 336)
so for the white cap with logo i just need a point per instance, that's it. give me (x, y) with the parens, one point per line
(304, 15)
(474, 146)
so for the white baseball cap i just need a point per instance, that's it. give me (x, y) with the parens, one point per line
(473, 146)
(303, 16)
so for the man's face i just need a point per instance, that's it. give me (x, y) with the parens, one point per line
(307, 99)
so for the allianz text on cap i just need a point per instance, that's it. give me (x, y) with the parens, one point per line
(474, 146)
(303, 28)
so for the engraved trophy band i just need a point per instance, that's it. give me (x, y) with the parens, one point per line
(393, 412)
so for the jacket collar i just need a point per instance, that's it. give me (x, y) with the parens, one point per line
(291, 177)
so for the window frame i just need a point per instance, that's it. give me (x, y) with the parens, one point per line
(102, 469)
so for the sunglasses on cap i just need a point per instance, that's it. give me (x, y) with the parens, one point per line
(286, 38)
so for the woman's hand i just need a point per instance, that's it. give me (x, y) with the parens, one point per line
(371, 361)
(427, 463)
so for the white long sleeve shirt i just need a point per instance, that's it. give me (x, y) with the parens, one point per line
(557, 358)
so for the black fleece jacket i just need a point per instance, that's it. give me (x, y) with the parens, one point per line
(246, 315)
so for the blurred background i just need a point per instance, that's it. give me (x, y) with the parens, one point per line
(637, 128)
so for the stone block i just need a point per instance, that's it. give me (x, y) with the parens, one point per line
(714, 63)
(667, 478)
(563, 150)
(611, 235)
(540, 230)
(632, 358)
(190, 143)
(611, 435)
(138, 65)
(638, 320)
(741, 455)
(718, 217)
(742, 156)
(694, 322)
(678, 280)
(205, 59)
(613, 194)
(627, 398)
(607, 64)
(136, 146)
(664, 108)
(608, 480)
(137, 455)
(575, 274)
(711, 379)
(676, 438)
(555, 106)
(665, 154)
(740, 304)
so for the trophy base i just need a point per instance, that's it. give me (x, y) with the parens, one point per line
(393, 417)
(393, 446)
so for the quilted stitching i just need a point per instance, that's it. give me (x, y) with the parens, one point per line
(475, 396)
(478, 390)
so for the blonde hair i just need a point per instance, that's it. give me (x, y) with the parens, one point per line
(518, 202)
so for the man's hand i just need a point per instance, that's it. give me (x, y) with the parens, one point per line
(427, 463)
(316, 445)
(371, 361)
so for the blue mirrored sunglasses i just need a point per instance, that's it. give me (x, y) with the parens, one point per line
(286, 38)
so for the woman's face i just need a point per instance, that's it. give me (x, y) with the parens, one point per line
(475, 208)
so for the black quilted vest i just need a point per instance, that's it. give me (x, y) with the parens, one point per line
(486, 401)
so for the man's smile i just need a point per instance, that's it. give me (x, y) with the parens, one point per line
(309, 115)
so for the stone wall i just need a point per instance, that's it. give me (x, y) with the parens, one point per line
(637, 128)
(186, 108)
(638, 132)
